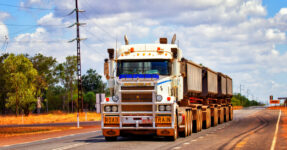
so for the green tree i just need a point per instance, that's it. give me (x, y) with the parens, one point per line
(20, 80)
(45, 67)
(61, 77)
(70, 67)
(3, 89)
(66, 74)
(92, 81)
(90, 100)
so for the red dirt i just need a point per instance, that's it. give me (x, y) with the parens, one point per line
(40, 136)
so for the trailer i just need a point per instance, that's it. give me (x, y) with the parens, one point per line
(155, 90)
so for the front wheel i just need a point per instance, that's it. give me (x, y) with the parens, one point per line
(175, 134)
(111, 138)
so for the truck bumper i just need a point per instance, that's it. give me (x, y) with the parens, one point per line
(118, 132)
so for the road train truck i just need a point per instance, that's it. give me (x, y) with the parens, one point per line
(155, 90)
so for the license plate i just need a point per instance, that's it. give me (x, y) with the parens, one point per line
(111, 120)
(163, 119)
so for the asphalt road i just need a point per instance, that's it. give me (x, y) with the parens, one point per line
(251, 128)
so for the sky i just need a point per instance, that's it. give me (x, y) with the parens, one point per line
(245, 39)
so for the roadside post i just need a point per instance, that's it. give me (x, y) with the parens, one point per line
(99, 98)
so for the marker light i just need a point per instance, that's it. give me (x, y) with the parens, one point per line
(132, 49)
(158, 49)
(168, 98)
(107, 99)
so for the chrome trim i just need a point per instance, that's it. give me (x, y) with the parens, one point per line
(136, 91)
(133, 128)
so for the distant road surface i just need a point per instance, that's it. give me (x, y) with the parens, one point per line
(251, 128)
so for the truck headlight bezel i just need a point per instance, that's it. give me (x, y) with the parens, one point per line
(161, 108)
(158, 98)
(108, 109)
(114, 108)
(168, 108)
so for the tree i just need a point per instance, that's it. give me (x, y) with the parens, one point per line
(45, 67)
(61, 77)
(92, 81)
(20, 80)
(66, 74)
(70, 67)
(3, 89)
(90, 100)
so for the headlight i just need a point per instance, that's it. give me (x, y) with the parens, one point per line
(161, 107)
(114, 108)
(107, 108)
(115, 98)
(167, 107)
(158, 98)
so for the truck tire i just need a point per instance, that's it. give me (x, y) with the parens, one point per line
(111, 138)
(196, 122)
(209, 118)
(200, 120)
(221, 115)
(226, 116)
(207, 121)
(190, 122)
(184, 133)
(230, 113)
(174, 137)
(214, 119)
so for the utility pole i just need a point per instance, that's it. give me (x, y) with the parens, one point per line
(79, 74)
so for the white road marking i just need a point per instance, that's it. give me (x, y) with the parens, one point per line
(201, 137)
(186, 143)
(176, 147)
(70, 146)
(276, 132)
(193, 140)
(51, 138)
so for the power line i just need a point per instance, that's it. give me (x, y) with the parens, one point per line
(36, 8)
(26, 25)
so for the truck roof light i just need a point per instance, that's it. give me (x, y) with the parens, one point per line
(158, 49)
(168, 98)
(107, 99)
(132, 49)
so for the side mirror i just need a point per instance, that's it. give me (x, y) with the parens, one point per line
(183, 67)
(106, 68)
(174, 52)
(111, 52)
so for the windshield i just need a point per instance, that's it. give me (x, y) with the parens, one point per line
(160, 67)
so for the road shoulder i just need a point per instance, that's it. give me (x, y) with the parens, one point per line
(8, 141)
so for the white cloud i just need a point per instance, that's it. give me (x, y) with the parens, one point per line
(230, 36)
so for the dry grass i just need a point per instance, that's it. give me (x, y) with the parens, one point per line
(237, 107)
(49, 118)
(8, 132)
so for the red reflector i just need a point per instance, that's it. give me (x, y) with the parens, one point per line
(107, 99)
(158, 48)
(132, 49)
(168, 98)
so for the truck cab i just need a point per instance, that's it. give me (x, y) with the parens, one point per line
(144, 82)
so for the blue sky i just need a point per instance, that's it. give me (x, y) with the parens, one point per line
(243, 38)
